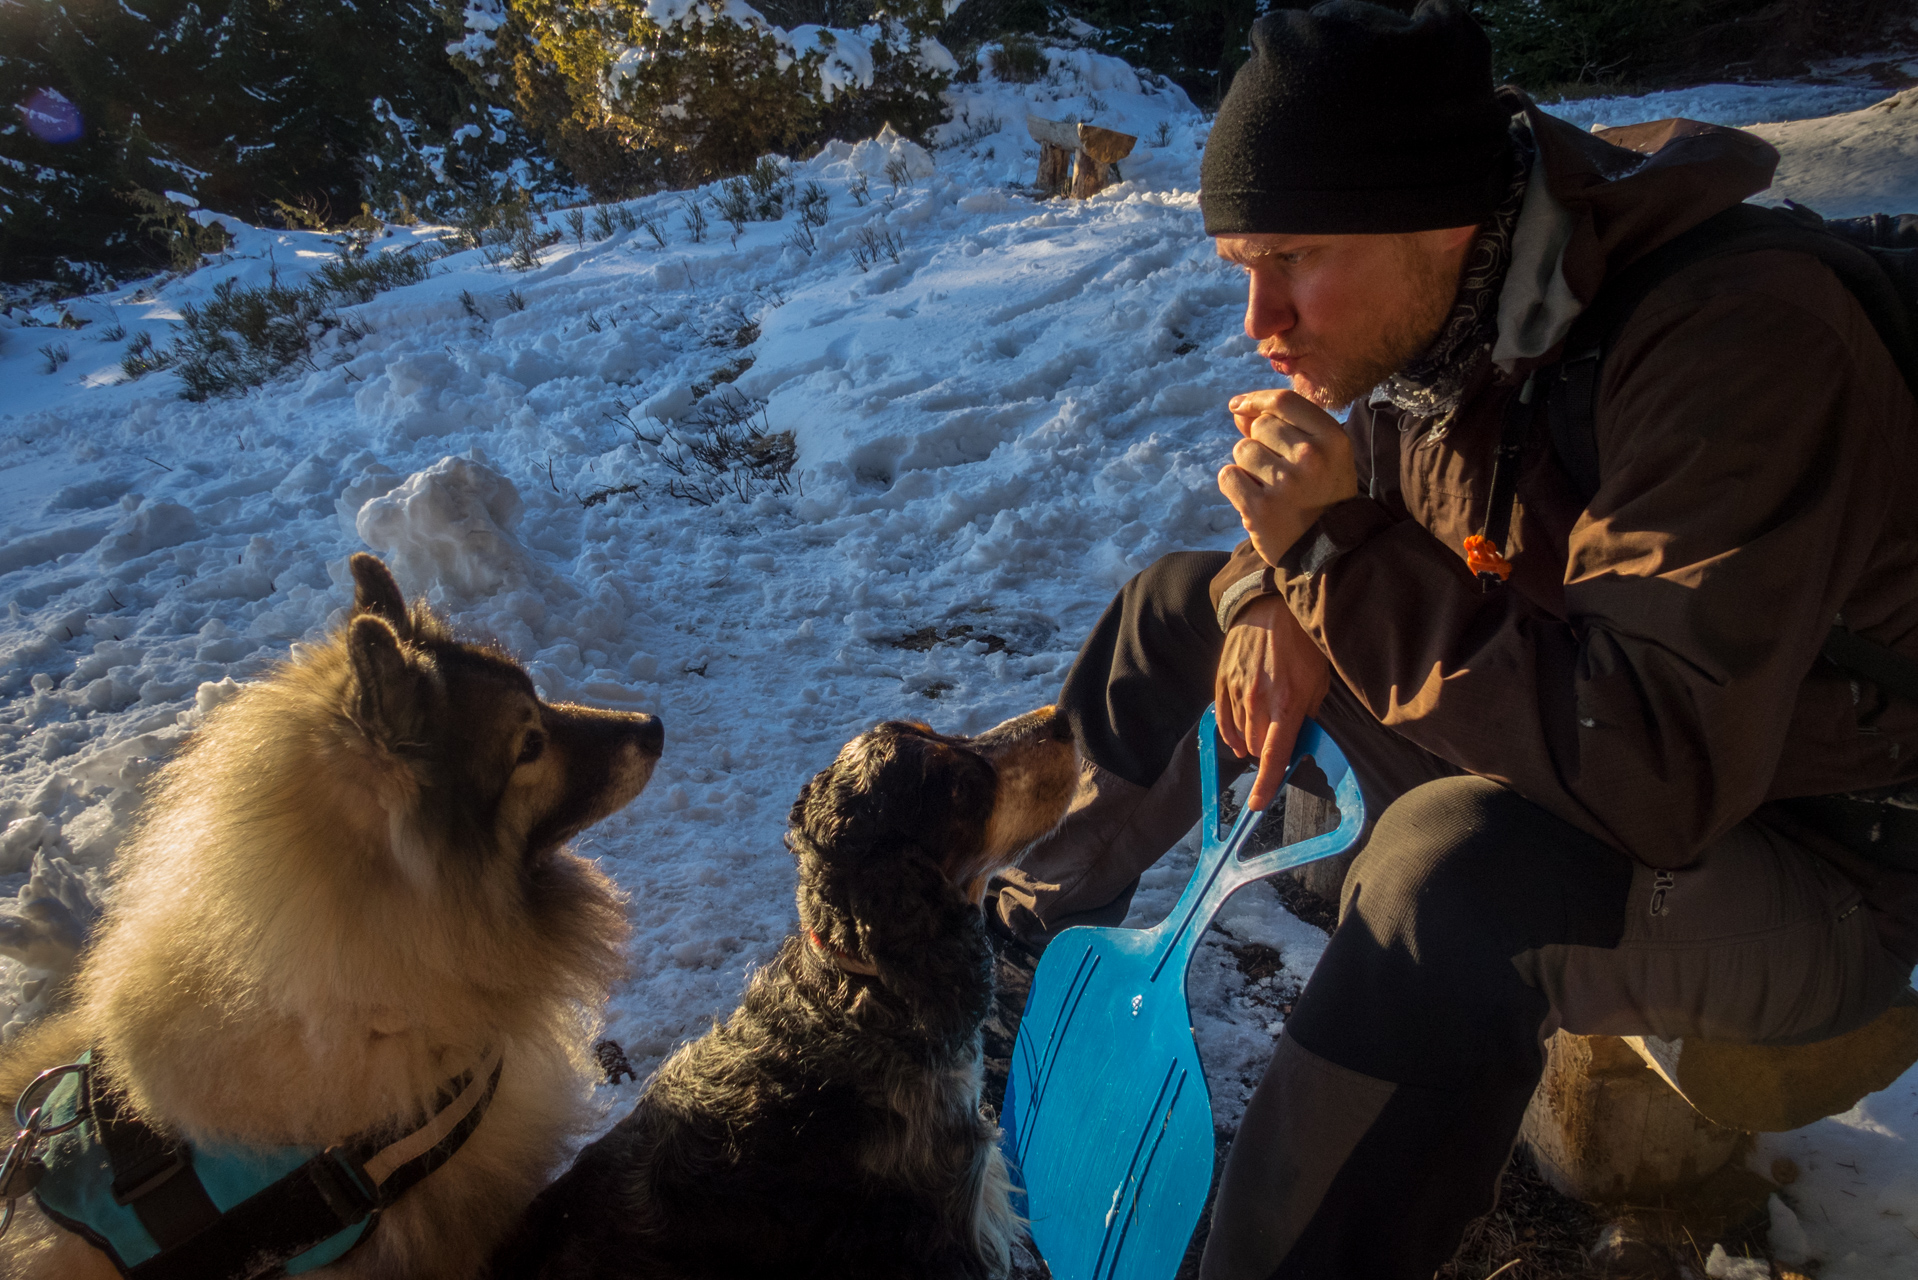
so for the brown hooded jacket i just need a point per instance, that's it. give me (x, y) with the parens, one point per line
(1651, 672)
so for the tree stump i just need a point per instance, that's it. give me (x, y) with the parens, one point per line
(1077, 160)
(1309, 812)
(1097, 165)
(1776, 1088)
(1648, 1120)
(1055, 169)
(1603, 1126)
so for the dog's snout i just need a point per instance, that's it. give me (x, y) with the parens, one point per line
(606, 730)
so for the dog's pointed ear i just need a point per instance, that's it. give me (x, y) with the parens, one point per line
(375, 592)
(385, 686)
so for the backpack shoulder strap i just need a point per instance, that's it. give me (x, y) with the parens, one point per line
(1883, 280)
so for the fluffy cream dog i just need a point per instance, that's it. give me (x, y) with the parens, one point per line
(349, 889)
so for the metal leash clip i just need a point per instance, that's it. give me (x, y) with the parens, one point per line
(20, 1172)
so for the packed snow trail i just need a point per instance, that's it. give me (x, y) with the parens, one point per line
(1002, 410)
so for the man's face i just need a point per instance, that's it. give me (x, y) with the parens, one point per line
(1339, 314)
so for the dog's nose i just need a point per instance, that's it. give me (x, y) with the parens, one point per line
(652, 736)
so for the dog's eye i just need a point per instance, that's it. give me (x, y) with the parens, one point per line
(533, 748)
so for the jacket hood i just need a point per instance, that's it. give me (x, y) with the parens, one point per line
(1598, 202)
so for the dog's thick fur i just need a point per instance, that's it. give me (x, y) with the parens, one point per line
(832, 1128)
(346, 889)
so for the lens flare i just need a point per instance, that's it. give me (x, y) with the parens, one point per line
(50, 117)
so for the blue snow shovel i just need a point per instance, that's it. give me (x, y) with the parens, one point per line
(1107, 1119)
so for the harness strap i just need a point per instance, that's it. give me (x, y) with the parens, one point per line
(151, 1176)
(335, 1190)
(264, 1232)
(401, 1165)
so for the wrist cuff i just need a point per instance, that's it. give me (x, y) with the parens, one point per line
(1343, 527)
(1242, 593)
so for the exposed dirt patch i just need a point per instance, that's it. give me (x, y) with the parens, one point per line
(925, 638)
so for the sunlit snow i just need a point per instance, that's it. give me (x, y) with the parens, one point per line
(995, 430)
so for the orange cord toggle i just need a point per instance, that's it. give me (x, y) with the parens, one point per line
(1482, 557)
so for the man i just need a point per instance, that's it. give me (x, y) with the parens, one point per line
(1589, 780)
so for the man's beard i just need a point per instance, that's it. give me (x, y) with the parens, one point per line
(1401, 337)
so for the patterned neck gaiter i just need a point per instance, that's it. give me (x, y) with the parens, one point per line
(1433, 383)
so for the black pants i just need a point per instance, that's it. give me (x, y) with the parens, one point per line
(1473, 924)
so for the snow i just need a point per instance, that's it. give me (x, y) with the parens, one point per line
(1721, 1266)
(845, 57)
(1738, 105)
(481, 19)
(994, 431)
(1861, 162)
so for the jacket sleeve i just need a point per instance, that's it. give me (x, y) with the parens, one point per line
(1740, 446)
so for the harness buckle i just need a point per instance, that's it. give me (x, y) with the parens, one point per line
(343, 1184)
(20, 1172)
(33, 1099)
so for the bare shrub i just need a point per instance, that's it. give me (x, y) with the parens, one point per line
(814, 205)
(734, 204)
(873, 243)
(770, 187)
(725, 447)
(141, 358)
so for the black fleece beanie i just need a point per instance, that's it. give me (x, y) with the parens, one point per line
(1351, 118)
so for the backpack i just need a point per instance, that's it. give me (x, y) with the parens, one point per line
(1875, 257)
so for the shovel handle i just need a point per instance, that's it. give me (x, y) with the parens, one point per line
(1219, 871)
(1312, 743)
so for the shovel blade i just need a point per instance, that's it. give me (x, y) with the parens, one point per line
(1107, 1122)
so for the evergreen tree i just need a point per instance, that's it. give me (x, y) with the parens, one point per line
(687, 90)
(252, 107)
(1199, 44)
(1544, 44)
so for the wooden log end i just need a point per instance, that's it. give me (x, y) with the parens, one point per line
(1777, 1088)
(1107, 146)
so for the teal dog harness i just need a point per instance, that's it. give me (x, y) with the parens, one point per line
(162, 1209)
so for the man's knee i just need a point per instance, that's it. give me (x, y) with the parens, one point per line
(1417, 984)
(1431, 857)
(1464, 855)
